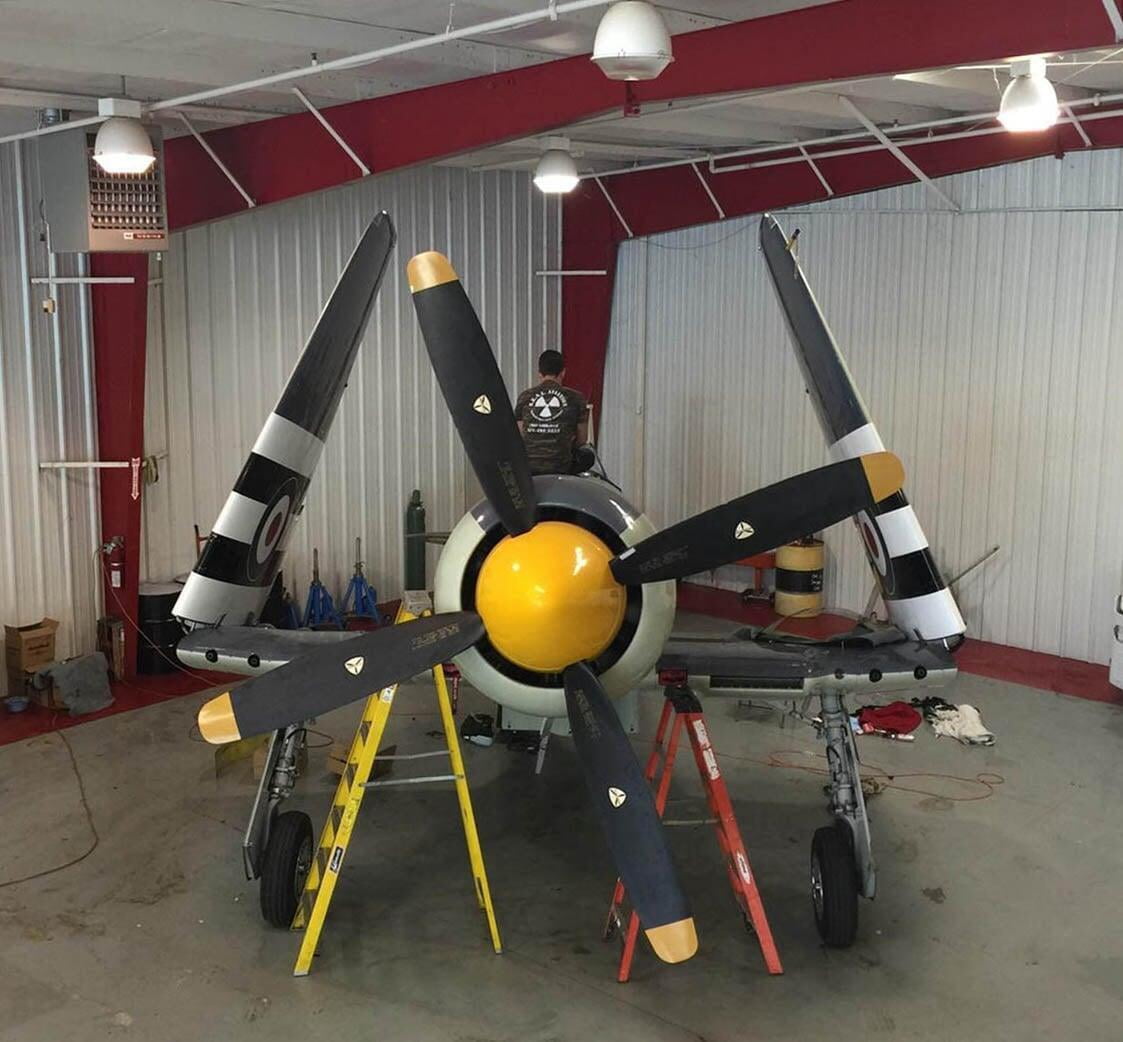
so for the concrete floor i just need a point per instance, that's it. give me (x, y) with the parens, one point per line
(996, 919)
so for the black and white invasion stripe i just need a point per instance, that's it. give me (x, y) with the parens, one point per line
(242, 555)
(916, 597)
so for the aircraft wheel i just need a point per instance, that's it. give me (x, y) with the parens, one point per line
(285, 866)
(834, 886)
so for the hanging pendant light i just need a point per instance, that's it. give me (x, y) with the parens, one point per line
(632, 43)
(556, 173)
(122, 145)
(1029, 103)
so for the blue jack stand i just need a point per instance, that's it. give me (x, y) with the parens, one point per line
(319, 609)
(360, 598)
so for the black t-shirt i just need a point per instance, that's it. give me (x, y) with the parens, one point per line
(549, 414)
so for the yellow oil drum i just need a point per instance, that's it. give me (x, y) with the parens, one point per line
(799, 579)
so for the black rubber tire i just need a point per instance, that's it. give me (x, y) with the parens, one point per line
(284, 867)
(834, 886)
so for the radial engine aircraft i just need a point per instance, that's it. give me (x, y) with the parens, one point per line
(553, 594)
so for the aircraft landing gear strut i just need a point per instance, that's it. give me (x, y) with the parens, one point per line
(842, 865)
(277, 848)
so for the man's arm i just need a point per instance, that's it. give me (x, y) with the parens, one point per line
(520, 408)
(583, 423)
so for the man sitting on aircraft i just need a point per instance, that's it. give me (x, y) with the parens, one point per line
(553, 418)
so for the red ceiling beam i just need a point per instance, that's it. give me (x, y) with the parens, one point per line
(671, 198)
(292, 155)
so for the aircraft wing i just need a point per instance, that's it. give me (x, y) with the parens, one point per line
(865, 662)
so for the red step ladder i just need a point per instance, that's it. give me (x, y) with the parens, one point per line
(683, 705)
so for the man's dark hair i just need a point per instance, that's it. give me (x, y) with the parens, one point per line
(550, 363)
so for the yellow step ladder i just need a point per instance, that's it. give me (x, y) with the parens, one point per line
(326, 865)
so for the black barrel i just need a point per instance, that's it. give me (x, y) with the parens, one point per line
(159, 630)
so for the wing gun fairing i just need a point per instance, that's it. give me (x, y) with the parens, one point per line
(916, 597)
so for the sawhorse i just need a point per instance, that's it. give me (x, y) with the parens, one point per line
(336, 836)
(681, 703)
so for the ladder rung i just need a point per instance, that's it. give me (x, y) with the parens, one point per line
(322, 860)
(364, 730)
(350, 775)
(414, 781)
(414, 756)
(690, 821)
(336, 817)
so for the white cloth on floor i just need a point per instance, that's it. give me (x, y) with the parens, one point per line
(962, 723)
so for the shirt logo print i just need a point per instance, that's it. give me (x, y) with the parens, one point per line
(547, 405)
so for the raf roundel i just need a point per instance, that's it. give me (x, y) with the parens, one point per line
(871, 536)
(269, 533)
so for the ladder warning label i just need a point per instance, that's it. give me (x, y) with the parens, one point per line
(336, 859)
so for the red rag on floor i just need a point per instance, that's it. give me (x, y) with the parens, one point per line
(897, 717)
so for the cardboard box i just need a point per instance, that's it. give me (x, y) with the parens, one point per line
(28, 648)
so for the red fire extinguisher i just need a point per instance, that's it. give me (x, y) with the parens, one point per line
(114, 553)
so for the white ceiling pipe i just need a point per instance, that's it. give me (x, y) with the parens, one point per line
(496, 25)
(858, 135)
(54, 128)
(35, 98)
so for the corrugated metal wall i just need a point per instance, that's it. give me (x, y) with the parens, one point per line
(240, 297)
(988, 349)
(48, 519)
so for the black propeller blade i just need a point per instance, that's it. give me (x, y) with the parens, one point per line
(473, 388)
(762, 520)
(336, 674)
(626, 808)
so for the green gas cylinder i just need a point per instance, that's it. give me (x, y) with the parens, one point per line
(415, 542)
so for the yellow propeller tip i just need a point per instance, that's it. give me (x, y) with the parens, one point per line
(429, 269)
(216, 721)
(884, 473)
(674, 942)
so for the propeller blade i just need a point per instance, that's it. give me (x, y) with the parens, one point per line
(473, 388)
(627, 812)
(336, 674)
(762, 520)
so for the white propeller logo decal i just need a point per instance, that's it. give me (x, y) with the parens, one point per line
(743, 530)
(354, 666)
(482, 405)
(616, 796)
